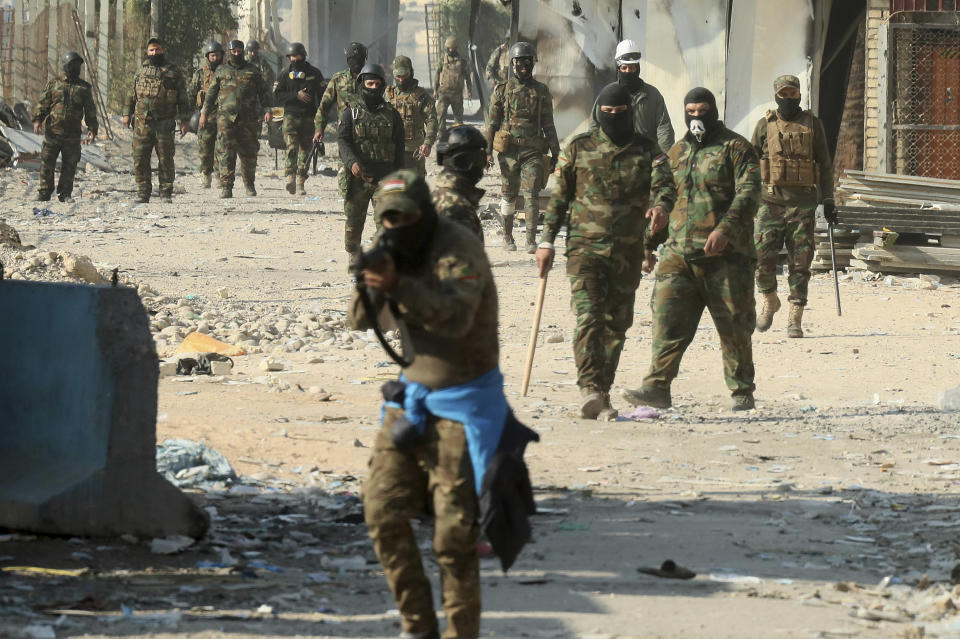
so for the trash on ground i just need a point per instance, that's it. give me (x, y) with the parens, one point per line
(171, 544)
(188, 463)
(638, 413)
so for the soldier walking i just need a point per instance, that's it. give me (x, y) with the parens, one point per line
(252, 49)
(708, 259)
(342, 90)
(239, 99)
(605, 179)
(65, 104)
(498, 66)
(439, 275)
(450, 79)
(199, 85)
(650, 117)
(157, 100)
(463, 156)
(520, 128)
(419, 114)
(797, 174)
(298, 91)
(371, 138)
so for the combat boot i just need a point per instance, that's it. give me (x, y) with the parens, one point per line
(769, 306)
(206, 180)
(166, 197)
(608, 413)
(531, 220)
(649, 396)
(66, 198)
(142, 198)
(301, 185)
(794, 329)
(507, 209)
(43, 197)
(249, 188)
(743, 402)
(226, 192)
(291, 184)
(591, 403)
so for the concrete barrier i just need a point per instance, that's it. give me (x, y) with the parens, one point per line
(78, 415)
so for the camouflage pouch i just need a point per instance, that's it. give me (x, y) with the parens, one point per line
(502, 141)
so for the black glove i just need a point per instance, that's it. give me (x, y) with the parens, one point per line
(830, 212)
(553, 163)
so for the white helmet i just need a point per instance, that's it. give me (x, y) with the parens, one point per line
(628, 52)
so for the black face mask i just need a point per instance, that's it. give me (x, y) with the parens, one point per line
(408, 244)
(406, 83)
(452, 53)
(700, 127)
(235, 60)
(156, 59)
(469, 164)
(373, 98)
(630, 81)
(789, 108)
(300, 65)
(617, 126)
(355, 63)
(72, 71)
(523, 68)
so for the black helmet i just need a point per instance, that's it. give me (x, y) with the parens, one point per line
(522, 50)
(212, 47)
(373, 69)
(69, 57)
(253, 45)
(356, 49)
(296, 48)
(194, 123)
(464, 151)
(236, 44)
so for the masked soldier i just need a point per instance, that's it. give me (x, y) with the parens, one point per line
(463, 156)
(64, 105)
(158, 98)
(252, 49)
(341, 92)
(239, 99)
(520, 128)
(199, 84)
(650, 117)
(440, 279)
(708, 258)
(371, 138)
(419, 114)
(498, 66)
(450, 80)
(606, 178)
(797, 174)
(298, 92)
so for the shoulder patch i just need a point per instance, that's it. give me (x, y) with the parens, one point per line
(660, 158)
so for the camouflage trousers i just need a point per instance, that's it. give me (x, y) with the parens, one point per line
(357, 194)
(207, 143)
(147, 137)
(68, 148)
(410, 161)
(397, 489)
(521, 173)
(298, 136)
(722, 284)
(233, 139)
(779, 224)
(455, 102)
(602, 293)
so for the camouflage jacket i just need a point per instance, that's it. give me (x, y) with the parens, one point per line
(452, 75)
(718, 187)
(238, 93)
(525, 109)
(498, 66)
(419, 113)
(200, 84)
(266, 70)
(456, 198)
(374, 139)
(158, 94)
(607, 189)
(341, 91)
(650, 116)
(64, 104)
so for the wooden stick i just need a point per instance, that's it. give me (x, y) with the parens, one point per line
(534, 330)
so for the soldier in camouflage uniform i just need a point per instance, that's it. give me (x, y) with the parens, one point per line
(158, 98)
(521, 118)
(240, 99)
(252, 50)
(709, 257)
(371, 139)
(341, 92)
(463, 156)
(419, 114)
(441, 280)
(64, 105)
(797, 174)
(605, 178)
(197, 90)
(298, 92)
(450, 79)
(498, 66)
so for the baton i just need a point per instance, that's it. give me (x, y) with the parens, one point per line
(534, 330)
(833, 263)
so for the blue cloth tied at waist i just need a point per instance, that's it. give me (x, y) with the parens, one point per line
(479, 405)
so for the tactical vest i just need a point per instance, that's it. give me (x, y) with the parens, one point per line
(373, 133)
(789, 160)
(156, 92)
(408, 105)
(206, 80)
(451, 76)
(521, 109)
(66, 107)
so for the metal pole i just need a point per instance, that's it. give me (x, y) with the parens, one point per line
(156, 15)
(833, 263)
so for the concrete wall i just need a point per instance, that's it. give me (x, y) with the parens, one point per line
(874, 139)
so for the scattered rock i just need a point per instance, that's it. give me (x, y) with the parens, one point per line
(270, 364)
(80, 267)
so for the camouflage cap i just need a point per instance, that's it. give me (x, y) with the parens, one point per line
(402, 65)
(786, 81)
(403, 191)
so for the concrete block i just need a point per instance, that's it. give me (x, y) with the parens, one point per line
(78, 414)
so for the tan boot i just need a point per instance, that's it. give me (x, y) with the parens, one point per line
(301, 185)
(507, 210)
(769, 306)
(591, 403)
(207, 180)
(291, 184)
(793, 324)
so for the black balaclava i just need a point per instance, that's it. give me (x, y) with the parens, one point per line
(72, 70)
(789, 108)
(373, 98)
(234, 59)
(408, 244)
(355, 63)
(298, 65)
(631, 81)
(406, 84)
(523, 68)
(157, 59)
(705, 124)
(617, 126)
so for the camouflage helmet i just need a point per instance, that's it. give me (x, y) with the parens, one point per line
(252, 45)
(235, 44)
(296, 48)
(212, 47)
(402, 66)
(522, 50)
(70, 57)
(451, 42)
(403, 191)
